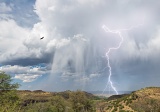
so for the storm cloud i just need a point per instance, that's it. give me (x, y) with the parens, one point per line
(75, 44)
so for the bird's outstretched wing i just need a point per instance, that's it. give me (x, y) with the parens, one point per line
(41, 38)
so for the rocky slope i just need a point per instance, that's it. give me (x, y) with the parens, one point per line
(144, 100)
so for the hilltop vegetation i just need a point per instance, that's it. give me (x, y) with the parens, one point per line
(11, 100)
(67, 101)
(144, 100)
(40, 101)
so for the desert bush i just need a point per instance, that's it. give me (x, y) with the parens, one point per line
(80, 103)
(146, 105)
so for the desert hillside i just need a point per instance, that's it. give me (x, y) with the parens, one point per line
(144, 100)
(41, 101)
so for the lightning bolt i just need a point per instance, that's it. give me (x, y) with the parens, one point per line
(118, 32)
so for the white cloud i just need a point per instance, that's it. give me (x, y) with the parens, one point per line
(73, 35)
(17, 42)
(56, 43)
(73, 52)
(148, 49)
(59, 22)
(151, 50)
(92, 3)
(62, 20)
(27, 78)
(11, 40)
(26, 74)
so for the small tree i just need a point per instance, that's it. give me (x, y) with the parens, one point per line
(5, 82)
(59, 103)
(80, 102)
(9, 100)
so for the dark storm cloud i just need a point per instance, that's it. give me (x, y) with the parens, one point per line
(47, 58)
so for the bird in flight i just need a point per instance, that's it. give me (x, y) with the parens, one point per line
(41, 38)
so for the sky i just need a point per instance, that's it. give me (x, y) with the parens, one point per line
(72, 54)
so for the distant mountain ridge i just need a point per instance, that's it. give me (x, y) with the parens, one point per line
(109, 92)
